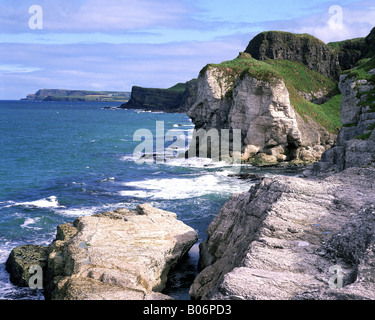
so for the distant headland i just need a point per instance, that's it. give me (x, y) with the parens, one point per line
(78, 95)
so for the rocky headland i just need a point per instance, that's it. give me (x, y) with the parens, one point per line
(304, 238)
(177, 99)
(78, 96)
(284, 93)
(280, 240)
(120, 255)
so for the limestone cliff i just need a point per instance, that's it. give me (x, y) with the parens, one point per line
(258, 103)
(310, 237)
(176, 99)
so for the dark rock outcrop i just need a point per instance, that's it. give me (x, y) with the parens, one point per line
(21, 259)
(350, 52)
(166, 100)
(355, 146)
(304, 48)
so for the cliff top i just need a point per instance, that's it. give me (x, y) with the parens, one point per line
(298, 78)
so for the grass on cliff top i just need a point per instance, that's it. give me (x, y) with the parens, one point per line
(337, 46)
(306, 36)
(179, 87)
(361, 72)
(244, 64)
(297, 78)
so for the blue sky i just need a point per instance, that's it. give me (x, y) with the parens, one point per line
(115, 44)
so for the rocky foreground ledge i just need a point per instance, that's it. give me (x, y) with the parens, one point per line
(293, 238)
(120, 255)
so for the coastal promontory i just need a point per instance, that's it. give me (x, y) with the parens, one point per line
(310, 237)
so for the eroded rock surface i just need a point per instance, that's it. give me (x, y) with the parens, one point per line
(120, 255)
(280, 240)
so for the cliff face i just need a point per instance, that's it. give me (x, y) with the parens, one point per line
(166, 100)
(306, 49)
(309, 237)
(272, 132)
(350, 52)
(355, 145)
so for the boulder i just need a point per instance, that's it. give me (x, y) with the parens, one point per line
(120, 255)
(21, 259)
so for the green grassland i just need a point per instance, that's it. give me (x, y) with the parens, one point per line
(297, 78)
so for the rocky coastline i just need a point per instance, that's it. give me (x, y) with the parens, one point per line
(309, 237)
(288, 238)
(280, 240)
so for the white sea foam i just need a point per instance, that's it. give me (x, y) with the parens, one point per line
(84, 211)
(78, 212)
(183, 188)
(196, 163)
(29, 222)
(50, 202)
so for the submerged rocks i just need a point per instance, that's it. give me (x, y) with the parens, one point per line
(120, 255)
(286, 237)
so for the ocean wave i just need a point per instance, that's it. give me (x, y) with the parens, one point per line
(182, 188)
(78, 212)
(195, 163)
(49, 202)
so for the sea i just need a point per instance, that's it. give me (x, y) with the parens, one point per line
(63, 160)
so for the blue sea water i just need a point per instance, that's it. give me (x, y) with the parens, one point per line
(62, 160)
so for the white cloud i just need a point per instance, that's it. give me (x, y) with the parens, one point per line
(16, 68)
(108, 66)
(357, 21)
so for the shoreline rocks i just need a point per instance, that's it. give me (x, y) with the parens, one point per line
(280, 240)
(120, 255)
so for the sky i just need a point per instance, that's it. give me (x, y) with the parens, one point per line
(115, 44)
